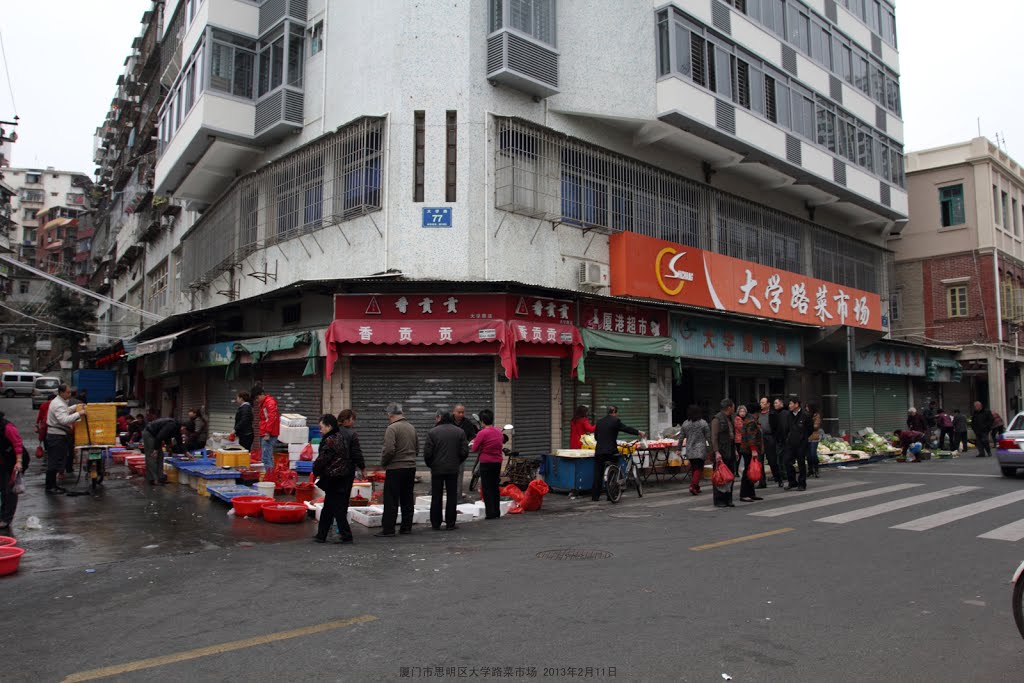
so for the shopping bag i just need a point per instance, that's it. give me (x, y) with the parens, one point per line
(723, 475)
(307, 452)
(40, 452)
(19, 484)
(534, 495)
(754, 470)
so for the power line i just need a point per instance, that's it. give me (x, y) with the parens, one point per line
(10, 86)
(44, 322)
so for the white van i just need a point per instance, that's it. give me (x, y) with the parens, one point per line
(17, 383)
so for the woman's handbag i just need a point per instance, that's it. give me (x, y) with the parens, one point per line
(754, 470)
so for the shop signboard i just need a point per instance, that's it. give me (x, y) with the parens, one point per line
(726, 340)
(655, 269)
(887, 359)
(452, 306)
(212, 355)
(623, 319)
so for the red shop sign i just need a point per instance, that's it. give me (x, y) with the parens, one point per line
(448, 306)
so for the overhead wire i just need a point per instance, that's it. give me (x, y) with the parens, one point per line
(10, 86)
(46, 322)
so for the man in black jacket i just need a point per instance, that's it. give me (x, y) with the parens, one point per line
(606, 433)
(460, 420)
(982, 423)
(445, 450)
(165, 431)
(797, 428)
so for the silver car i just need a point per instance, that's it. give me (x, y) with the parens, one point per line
(1010, 448)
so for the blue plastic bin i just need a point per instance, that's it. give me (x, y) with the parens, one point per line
(567, 474)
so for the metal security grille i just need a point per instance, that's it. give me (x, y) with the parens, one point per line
(543, 174)
(324, 183)
(193, 392)
(531, 407)
(220, 397)
(294, 392)
(423, 385)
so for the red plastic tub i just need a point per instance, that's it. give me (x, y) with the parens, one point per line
(249, 506)
(284, 513)
(10, 558)
(304, 492)
(7, 541)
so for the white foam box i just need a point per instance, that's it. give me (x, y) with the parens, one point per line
(293, 420)
(462, 518)
(504, 506)
(295, 450)
(423, 501)
(294, 435)
(365, 517)
(421, 516)
(469, 509)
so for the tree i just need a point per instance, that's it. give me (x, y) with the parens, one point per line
(70, 310)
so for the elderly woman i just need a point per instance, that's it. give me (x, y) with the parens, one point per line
(694, 435)
(751, 446)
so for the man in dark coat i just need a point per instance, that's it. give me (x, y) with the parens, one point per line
(722, 443)
(798, 429)
(165, 431)
(606, 433)
(460, 420)
(982, 422)
(444, 451)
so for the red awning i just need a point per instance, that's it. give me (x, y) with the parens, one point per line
(548, 333)
(421, 332)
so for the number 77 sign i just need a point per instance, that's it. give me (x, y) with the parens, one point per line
(437, 217)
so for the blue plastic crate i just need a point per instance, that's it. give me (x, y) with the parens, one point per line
(304, 466)
(226, 492)
(207, 472)
(314, 433)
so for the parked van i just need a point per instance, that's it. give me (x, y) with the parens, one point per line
(17, 383)
(44, 389)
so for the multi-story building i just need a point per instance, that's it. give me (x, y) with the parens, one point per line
(432, 199)
(960, 268)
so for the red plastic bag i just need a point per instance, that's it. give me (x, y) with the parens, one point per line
(283, 478)
(40, 452)
(514, 492)
(534, 495)
(307, 452)
(722, 476)
(754, 471)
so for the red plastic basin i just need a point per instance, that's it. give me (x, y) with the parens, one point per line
(7, 541)
(249, 506)
(10, 558)
(284, 513)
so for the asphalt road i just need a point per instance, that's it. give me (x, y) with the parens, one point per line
(816, 586)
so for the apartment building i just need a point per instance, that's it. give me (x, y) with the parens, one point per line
(601, 202)
(960, 268)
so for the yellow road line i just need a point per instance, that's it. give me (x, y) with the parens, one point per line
(741, 539)
(214, 649)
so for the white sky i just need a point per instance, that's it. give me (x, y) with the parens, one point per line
(65, 56)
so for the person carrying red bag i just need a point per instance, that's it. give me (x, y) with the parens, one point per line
(751, 447)
(722, 441)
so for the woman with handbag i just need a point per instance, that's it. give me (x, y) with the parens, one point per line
(336, 467)
(694, 436)
(13, 461)
(751, 447)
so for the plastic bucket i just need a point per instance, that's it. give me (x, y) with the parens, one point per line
(10, 558)
(265, 488)
(7, 541)
(304, 492)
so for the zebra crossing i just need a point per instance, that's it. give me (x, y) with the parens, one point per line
(903, 497)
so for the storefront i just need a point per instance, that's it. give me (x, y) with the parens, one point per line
(211, 362)
(881, 387)
(943, 383)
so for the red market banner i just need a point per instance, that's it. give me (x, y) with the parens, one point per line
(623, 319)
(655, 269)
(452, 306)
(554, 333)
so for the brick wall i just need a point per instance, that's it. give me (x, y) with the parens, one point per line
(982, 314)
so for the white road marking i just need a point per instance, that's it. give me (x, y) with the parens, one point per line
(1011, 532)
(883, 508)
(930, 474)
(941, 518)
(800, 507)
(703, 498)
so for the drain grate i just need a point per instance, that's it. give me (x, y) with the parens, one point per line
(574, 554)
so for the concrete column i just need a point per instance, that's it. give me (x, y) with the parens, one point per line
(556, 404)
(337, 388)
(996, 383)
(502, 399)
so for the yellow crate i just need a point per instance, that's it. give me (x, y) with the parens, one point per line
(172, 474)
(201, 488)
(98, 427)
(232, 458)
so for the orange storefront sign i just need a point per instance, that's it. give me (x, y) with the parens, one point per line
(655, 269)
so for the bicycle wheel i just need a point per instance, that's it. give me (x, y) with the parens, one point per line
(613, 482)
(1018, 605)
(634, 473)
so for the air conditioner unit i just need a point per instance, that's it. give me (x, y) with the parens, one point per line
(522, 62)
(593, 275)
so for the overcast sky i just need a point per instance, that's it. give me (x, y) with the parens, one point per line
(65, 55)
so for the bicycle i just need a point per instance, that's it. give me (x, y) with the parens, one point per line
(618, 476)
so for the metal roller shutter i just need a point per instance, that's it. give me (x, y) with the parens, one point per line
(622, 382)
(193, 392)
(423, 385)
(863, 402)
(531, 406)
(294, 393)
(892, 399)
(220, 398)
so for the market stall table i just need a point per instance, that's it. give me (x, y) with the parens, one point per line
(655, 453)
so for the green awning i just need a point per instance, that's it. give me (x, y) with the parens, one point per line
(937, 363)
(259, 348)
(311, 355)
(629, 343)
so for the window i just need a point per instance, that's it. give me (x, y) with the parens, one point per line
(956, 301)
(821, 45)
(291, 314)
(23, 286)
(450, 161)
(33, 178)
(951, 205)
(799, 28)
(158, 286)
(419, 161)
(232, 63)
(296, 57)
(316, 38)
(37, 196)
(1004, 204)
(271, 64)
(995, 204)
(1016, 217)
(535, 18)
(28, 214)
(1006, 298)
(895, 306)
(860, 72)
(359, 167)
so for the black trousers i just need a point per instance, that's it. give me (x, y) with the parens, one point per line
(771, 456)
(725, 497)
(439, 485)
(58, 456)
(398, 492)
(8, 498)
(245, 440)
(747, 486)
(943, 433)
(490, 475)
(796, 455)
(336, 497)
(984, 448)
(960, 440)
(599, 464)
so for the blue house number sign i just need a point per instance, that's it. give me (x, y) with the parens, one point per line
(439, 217)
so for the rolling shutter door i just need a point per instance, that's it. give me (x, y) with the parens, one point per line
(573, 394)
(220, 399)
(891, 403)
(531, 407)
(863, 402)
(193, 392)
(621, 382)
(294, 393)
(423, 385)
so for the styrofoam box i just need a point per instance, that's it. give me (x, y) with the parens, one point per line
(296, 435)
(367, 520)
(423, 500)
(463, 518)
(468, 509)
(295, 450)
(504, 506)
(421, 516)
(293, 420)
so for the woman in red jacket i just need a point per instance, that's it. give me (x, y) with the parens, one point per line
(579, 426)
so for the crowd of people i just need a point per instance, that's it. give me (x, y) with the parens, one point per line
(935, 427)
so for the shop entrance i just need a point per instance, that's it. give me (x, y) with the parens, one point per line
(707, 387)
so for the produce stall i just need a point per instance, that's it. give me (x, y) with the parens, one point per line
(569, 470)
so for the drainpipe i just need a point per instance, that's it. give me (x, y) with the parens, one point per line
(487, 207)
(999, 306)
